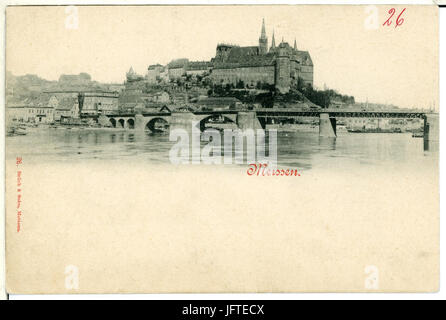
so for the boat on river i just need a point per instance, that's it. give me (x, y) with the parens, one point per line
(15, 129)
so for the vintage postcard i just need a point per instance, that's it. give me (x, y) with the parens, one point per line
(222, 149)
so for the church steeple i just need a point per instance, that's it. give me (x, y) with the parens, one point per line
(263, 34)
(273, 42)
(263, 40)
(295, 44)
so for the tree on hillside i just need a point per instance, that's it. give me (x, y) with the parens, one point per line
(240, 84)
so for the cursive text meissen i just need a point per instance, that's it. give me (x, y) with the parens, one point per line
(261, 169)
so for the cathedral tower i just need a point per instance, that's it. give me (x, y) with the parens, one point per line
(263, 40)
(282, 75)
(273, 42)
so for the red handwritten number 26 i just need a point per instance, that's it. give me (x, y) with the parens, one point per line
(399, 20)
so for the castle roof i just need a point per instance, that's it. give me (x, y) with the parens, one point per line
(231, 56)
(227, 45)
(199, 65)
(304, 58)
(238, 60)
(238, 53)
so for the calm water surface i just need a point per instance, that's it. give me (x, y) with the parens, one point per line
(302, 150)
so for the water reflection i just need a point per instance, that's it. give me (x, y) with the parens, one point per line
(328, 143)
(294, 149)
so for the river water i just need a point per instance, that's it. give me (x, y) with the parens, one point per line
(303, 150)
(112, 198)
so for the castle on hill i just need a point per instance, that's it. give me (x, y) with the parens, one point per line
(281, 66)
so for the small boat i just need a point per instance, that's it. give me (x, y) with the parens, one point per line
(161, 127)
(417, 135)
(355, 130)
(20, 133)
(16, 130)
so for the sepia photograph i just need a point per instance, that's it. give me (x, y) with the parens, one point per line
(222, 149)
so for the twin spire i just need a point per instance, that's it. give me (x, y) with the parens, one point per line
(263, 34)
(263, 40)
(273, 40)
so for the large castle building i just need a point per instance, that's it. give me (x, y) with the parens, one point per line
(281, 66)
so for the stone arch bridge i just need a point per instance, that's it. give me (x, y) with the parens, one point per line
(148, 121)
(257, 119)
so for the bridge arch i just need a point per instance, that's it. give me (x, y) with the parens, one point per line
(120, 123)
(216, 118)
(156, 124)
(131, 123)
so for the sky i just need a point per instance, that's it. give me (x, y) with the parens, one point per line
(386, 64)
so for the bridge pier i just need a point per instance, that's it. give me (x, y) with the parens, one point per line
(248, 120)
(182, 120)
(431, 131)
(104, 120)
(139, 122)
(327, 125)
